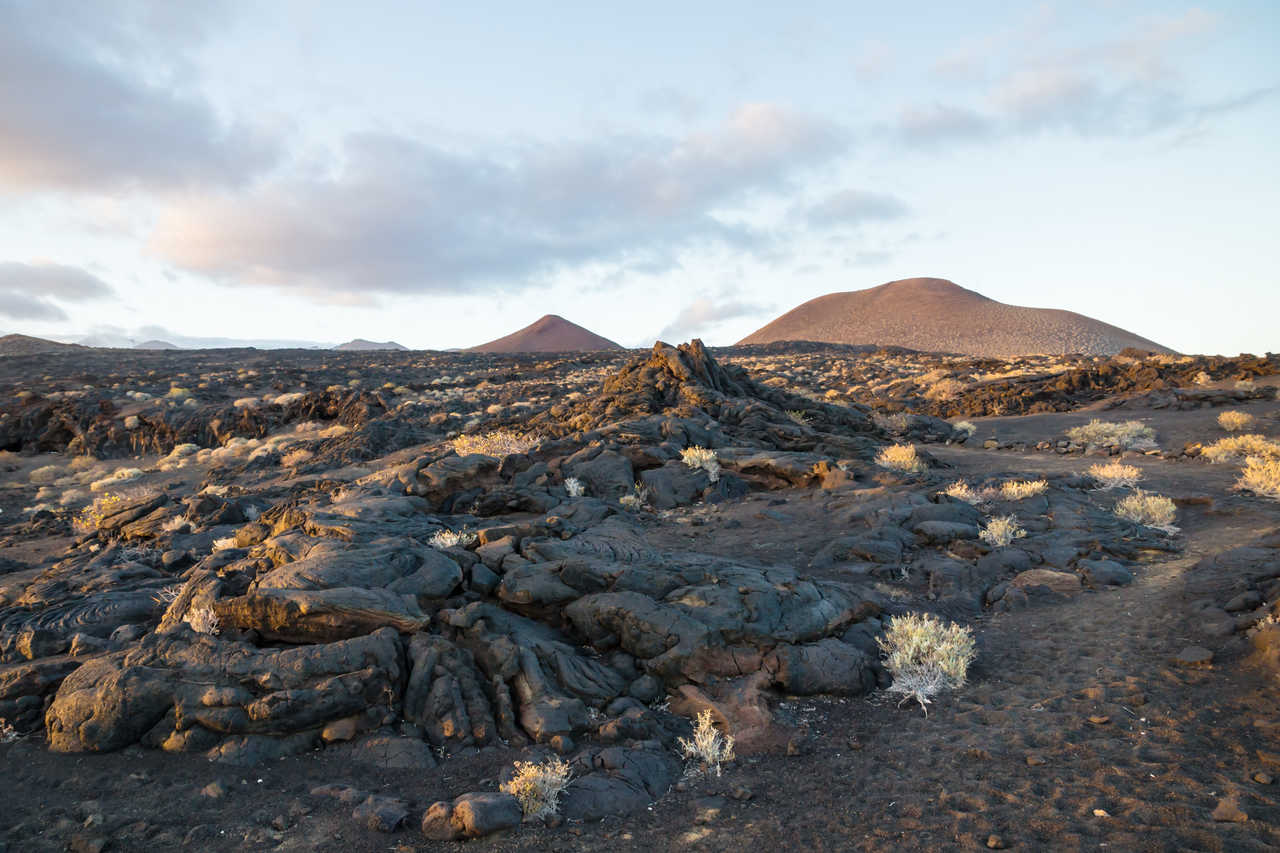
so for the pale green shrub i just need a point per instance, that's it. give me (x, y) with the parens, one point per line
(538, 786)
(1000, 531)
(709, 746)
(926, 655)
(901, 457)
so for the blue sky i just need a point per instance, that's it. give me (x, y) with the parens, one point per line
(442, 175)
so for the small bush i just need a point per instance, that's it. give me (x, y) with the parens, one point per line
(574, 487)
(1000, 531)
(498, 444)
(709, 746)
(925, 656)
(1203, 378)
(1261, 476)
(966, 427)
(637, 498)
(704, 458)
(8, 734)
(203, 620)
(120, 475)
(897, 422)
(1240, 447)
(1107, 434)
(1246, 385)
(1147, 509)
(226, 543)
(538, 786)
(1233, 421)
(294, 458)
(1016, 490)
(901, 457)
(451, 538)
(962, 491)
(1115, 474)
(167, 594)
(799, 417)
(944, 389)
(91, 516)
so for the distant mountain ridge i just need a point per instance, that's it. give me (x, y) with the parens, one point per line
(27, 345)
(937, 315)
(550, 333)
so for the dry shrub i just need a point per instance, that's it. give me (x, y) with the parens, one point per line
(224, 544)
(637, 499)
(709, 746)
(203, 620)
(926, 655)
(574, 487)
(1000, 531)
(45, 475)
(1203, 378)
(1147, 509)
(962, 491)
(1239, 447)
(537, 786)
(704, 458)
(1115, 474)
(966, 427)
(1261, 476)
(499, 443)
(120, 475)
(451, 538)
(1245, 385)
(294, 458)
(897, 422)
(944, 389)
(1233, 421)
(901, 457)
(1108, 434)
(8, 734)
(1016, 490)
(798, 416)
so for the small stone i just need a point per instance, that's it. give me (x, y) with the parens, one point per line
(1228, 812)
(562, 744)
(213, 791)
(1101, 813)
(707, 809)
(1099, 719)
(1262, 777)
(280, 822)
(339, 730)
(741, 793)
(1034, 760)
(995, 842)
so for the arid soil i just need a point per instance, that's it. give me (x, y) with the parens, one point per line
(360, 675)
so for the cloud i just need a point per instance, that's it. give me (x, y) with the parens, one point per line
(26, 290)
(705, 312)
(672, 102)
(87, 100)
(938, 124)
(401, 215)
(873, 60)
(853, 207)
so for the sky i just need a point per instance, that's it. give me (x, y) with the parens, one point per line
(442, 174)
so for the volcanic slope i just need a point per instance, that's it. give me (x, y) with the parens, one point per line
(936, 315)
(551, 333)
(27, 345)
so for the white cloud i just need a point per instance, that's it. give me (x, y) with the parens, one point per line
(33, 291)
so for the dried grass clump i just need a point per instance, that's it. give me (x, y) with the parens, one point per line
(1108, 434)
(704, 458)
(120, 475)
(944, 389)
(901, 457)
(709, 747)
(452, 538)
(1239, 447)
(1147, 509)
(1016, 490)
(537, 786)
(574, 487)
(1203, 378)
(1000, 531)
(897, 422)
(1112, 475)
(637, 498)
(1261, 476)
(499, 443)
(926, 655)
(1245, 385)
(8, 734)
(966, 427)
(89, 518)
(45, 475)
(224, 544)
(1233, 421)
(962, 491)
(799, 417)
(203, 620)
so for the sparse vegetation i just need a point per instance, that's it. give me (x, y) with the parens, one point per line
(120, 475)
(1000, 531)
(966, 427)
(1016, 490)
(1203, 378)
(452, 538)
(1109, 434)
(901, 457)
(8, 734)
(897, 422)
(203, 620)
(1261, 476)
(799, 417)
(89, 518)
(225, 543)
(1233, 421)
(944, 389)
(167, 594)
(1115, 474)
(1147, 509)
(1239, 447)
(499, 443)
(962, 491)
(1246, 385)
(538, 785)
(926, 656)
(704, 458)
(709, 746)
(637, 499)
(574, 487)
